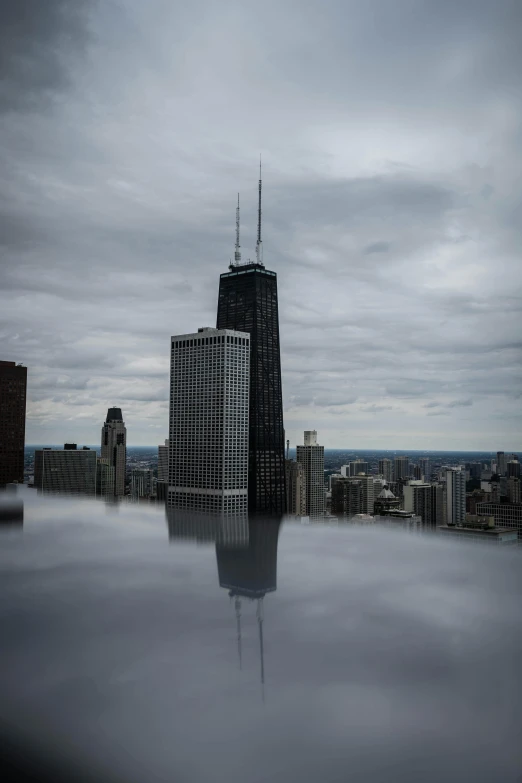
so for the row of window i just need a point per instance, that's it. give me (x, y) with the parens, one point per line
(217, 340)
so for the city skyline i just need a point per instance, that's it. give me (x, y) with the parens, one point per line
(390, 176)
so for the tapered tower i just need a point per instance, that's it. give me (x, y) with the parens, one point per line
(248, 303)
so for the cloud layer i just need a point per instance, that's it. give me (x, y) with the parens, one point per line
(391, 143)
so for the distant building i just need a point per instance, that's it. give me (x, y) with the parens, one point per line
(357, 466)
(311, 457)
(425, 466)
(13, 388)
(65, 471)
(505, 515)
(455, 506)
(386, 502)
(401, 466)
(425, 500)
(501, 463)
(294, 488)
(347, 497)
(163, 462)
(480, 529)
(386, 469)
(114, 447)
(513, 469)
(142, 480)
(514, 490)
(208, 426)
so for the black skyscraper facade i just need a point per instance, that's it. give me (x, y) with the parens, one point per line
(13, 386)
(248, 303)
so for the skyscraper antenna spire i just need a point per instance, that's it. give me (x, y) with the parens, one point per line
(259, 244)
(237, 254)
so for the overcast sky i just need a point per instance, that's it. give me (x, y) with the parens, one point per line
(391, 135)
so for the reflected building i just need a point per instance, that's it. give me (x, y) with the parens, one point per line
(250, 573)
(203, 528)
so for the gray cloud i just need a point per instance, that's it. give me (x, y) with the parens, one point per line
(391, 210)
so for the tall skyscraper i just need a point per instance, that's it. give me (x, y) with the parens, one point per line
(208, 425)
(400, 468)
(114, 447)
(163, 462)
(248, 303)
(513, 468)
(13, 387)
(67, 471)
(386, 469)
(311, 457)
(501, 463)
(514, 490)
(455, 496)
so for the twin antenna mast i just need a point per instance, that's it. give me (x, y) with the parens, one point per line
(259, 243)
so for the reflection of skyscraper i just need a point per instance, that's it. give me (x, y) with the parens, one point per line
(114, 447)
(248, 303)
(251, 573)
(227, 531)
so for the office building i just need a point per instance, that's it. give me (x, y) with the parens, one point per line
(248, 303)
(386, 469)
(13, 388)
(163, 462)
(501, 463)
(455, 506)
(142, 483)
(104, 479)
(513, 469)
(294, 488)
(513, 490)
(114, 448)
(347, 497)
(208, 424)
(401, 466)
(68, 471)
(505, 515)
(311, 457)
(425, 500)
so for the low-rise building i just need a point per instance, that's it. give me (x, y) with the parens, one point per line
(480, 529)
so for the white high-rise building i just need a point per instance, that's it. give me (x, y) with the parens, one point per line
(163, 462)
(455, 496)
(386, 469)
(114, 447)
(208, 422)
(311, 457)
